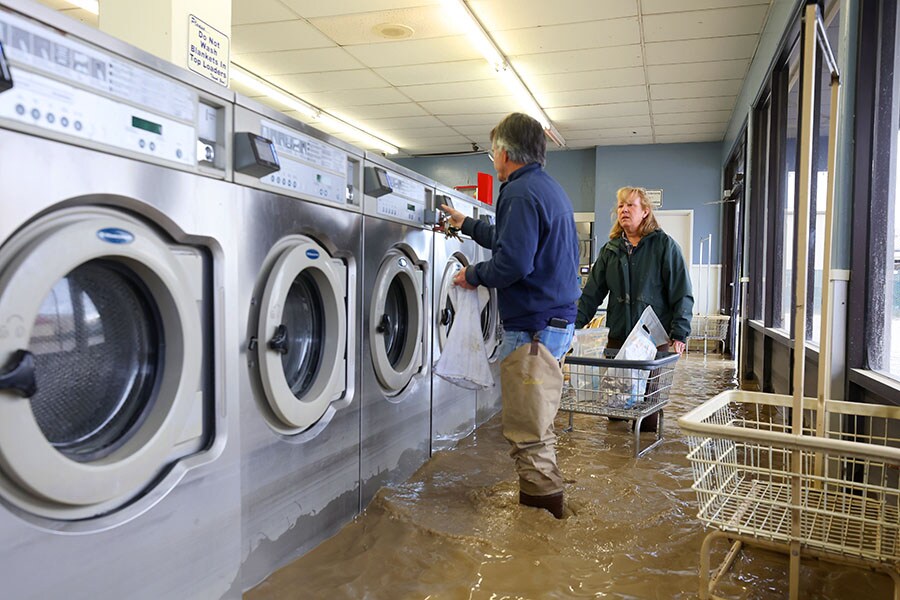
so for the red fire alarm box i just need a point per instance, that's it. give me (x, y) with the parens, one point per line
(485, 188)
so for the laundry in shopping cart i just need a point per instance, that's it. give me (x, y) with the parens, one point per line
(626, 387)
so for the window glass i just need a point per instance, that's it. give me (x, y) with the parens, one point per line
(782, 319)
(892, 331)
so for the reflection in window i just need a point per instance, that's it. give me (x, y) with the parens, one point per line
(892, 332)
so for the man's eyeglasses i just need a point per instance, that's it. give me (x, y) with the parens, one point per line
(491, 154)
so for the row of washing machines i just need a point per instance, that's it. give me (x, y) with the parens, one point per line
(207, 366)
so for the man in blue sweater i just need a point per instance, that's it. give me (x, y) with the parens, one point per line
(534, 268)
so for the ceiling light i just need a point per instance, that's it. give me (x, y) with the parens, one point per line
(92, 6)
(393, 31)
(460, 12)
(264, 88)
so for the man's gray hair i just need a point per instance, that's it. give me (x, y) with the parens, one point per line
(522, 137)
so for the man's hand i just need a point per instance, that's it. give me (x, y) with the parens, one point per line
(460, 280)
(677, 346)
(455, 217)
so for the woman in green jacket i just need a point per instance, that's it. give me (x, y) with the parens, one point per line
(639, 266)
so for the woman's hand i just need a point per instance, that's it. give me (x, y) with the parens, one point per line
(455, 217)
(677, 346)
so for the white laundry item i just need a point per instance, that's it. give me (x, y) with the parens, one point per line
(626, 387)
(463, 360)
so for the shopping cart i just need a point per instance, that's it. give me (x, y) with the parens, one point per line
(629, 390)
(709, 328)
(745, 459)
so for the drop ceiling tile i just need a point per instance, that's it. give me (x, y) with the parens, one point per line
(577, 60)
(695, 129)
(623, 109)
(707, 116)
(445, 72)
(476, 131)
(383, 111)
(466, 106)
(485, 119)
(614, 132)
(423, 133)
(691, 138)
(586, 80)
(400, 123)
(414, 52)
(625, 141)
(245, 12)
(363, 28)
(463, 147)
(317, 8)
(714, 23)
(635, 93)
(700, 89)
(82, 16)
(665, 6)
(576, 36)
(699, 71)
(500, 15)
(605, 123)
(361, 97)
(328, 81)
(487, 88)
(287, 62)
(693, 104)
(687, 51)
(270, 37)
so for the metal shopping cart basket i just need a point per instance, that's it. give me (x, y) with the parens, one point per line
(630, 390)
(745, 459)
(709, 328)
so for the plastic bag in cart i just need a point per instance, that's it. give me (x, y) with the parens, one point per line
(624, 388)
(463, 360)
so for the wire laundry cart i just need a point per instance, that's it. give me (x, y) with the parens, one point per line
(709, 328)
(808, 477)
(630, 390)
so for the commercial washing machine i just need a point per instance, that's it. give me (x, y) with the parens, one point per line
(453, 408)
(119, 454)
(299, 377)
(396, 384)
(487, 401)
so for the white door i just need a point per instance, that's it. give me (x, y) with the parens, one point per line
(101, 352)
(302, 334)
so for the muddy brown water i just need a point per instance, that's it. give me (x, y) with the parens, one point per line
(456, 530)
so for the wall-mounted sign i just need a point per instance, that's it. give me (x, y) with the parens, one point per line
(654, 197)
(208, 51)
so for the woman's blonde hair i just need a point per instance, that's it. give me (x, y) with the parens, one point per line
(648, 225)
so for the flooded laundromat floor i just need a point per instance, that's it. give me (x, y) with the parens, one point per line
(456, 530)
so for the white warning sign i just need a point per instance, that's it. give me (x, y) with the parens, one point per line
(208, 51)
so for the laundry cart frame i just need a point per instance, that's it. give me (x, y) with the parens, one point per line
(590, 389)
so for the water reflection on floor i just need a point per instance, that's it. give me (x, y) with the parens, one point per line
(455, 530)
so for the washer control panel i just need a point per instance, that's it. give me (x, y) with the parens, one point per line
(406, 202)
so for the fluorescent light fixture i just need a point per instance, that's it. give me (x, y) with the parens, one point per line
(92, 6)
(460, 12)
(316, 115)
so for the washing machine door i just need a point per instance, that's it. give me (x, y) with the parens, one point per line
(303, 334)
(396, 321)
(490, 324)
(100, 361)
(445, 310)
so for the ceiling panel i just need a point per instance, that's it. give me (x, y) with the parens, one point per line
(698, 71)
(500, 15)
(607, 72)
(288, 62)
(697, 89)
(575, 36)
(714, 23)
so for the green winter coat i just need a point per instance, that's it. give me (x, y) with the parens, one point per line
(653, 275)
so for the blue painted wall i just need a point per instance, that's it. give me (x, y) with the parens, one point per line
(573, 169)
(688, 174)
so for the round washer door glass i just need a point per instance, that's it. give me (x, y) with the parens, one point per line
(396, 321)
(103, 338)
(302, 333)
(95, 343)
(446, 311)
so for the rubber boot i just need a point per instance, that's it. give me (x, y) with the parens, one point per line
(552, 502)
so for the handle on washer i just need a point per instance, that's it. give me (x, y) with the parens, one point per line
(279, 342)
(384, 325)
(447, 317)
(19, 374)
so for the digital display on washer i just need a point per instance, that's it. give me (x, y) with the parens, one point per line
(146, 125)
(264, 150)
